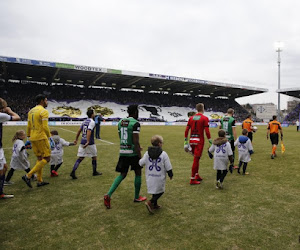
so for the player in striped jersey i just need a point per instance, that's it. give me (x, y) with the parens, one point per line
(228, 124)
(129, 154)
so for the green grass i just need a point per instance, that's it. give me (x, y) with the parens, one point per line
(259, 211)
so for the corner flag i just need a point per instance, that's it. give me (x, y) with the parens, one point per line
(282, 148)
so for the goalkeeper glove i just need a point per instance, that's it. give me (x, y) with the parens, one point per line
(186, 145)
(185, 141)
(210, 142)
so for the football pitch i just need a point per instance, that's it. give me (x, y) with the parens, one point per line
(255, 211)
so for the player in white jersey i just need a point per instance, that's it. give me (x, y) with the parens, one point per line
(56, 159)
(222, 155)
(87, 147)
(6, 114)
(19, 159)
(157, 165)
(245, 150)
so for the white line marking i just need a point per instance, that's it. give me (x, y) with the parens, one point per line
(108, 142)
(105, 141)
(68, 130)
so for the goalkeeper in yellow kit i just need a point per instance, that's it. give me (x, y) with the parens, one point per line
(39, 133)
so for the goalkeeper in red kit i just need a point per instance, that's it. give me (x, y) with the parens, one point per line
(197, 124)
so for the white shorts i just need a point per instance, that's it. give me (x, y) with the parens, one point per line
(2, 159)
(89, 151)
(56, 159)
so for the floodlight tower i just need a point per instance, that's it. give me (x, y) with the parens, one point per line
(278, 46)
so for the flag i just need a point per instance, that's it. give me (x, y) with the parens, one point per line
(282, 148)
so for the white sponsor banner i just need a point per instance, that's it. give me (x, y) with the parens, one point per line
(153, 123)
(78, 123)
(90, 68)
(134, 73)
(19, 123)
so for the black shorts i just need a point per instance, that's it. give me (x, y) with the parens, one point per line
(126, 161)
(250, 136)
(274, 138)
(232, 145)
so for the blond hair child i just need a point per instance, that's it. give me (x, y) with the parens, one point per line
(19, 158)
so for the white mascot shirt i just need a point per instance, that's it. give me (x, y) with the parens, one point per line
(155, 171)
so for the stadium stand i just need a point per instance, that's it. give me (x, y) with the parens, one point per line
(20, 96)
(21, 79)
(293, 116)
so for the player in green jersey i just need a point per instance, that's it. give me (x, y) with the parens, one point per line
(130, 154)
(228, 124)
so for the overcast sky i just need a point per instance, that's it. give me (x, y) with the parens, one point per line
(229, 41)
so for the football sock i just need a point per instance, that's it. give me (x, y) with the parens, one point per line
(273, 150)
(2, 178)
(245, 167)
(39, 172)
(10, 174)
(195, 167)
(57, 166)
(94, 164)
(51, 168)
(115, 184)
(137, 186)
(37, 168)
(76, 165)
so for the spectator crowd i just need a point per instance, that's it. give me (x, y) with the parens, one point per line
(293, 116)
(20, 97)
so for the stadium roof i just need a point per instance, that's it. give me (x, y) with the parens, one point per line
(52, 72)
(294, 92)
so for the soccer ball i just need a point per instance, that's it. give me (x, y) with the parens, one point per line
(254, 129)
(188, 148)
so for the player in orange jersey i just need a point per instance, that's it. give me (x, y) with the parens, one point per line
(273, 129)
(247, 124)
